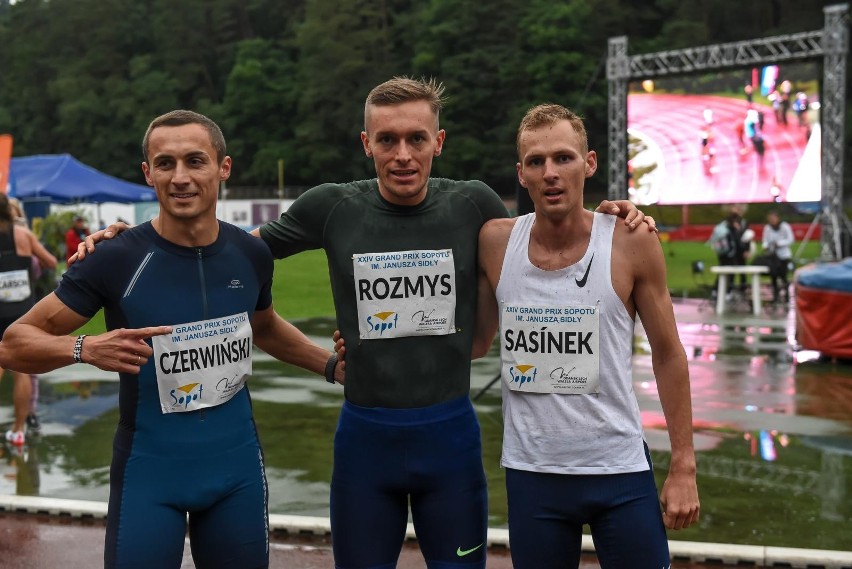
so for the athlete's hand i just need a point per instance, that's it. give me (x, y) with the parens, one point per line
(339, 345)
(679, 500)
(626, 209)
(340, 350)
(88, 246)
(122, 350)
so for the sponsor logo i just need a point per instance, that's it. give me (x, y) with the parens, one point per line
(228, 386)
(462, 552)
(582, 282)
(186, 394)
(523, 373)
(383, 321)
(235, 283)
(425, 318)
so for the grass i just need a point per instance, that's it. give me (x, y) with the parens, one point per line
(301, 288)
(681, 254)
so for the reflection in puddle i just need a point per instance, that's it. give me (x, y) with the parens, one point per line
(773, 435)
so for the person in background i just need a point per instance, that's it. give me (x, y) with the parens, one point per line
(749, 93)
(785, 91)
(573, 444)
(75, 235)
(731, 242)
(18, 246)
(777, 239)
(33, 422)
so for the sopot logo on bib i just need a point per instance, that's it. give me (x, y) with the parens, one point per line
(186, 394)
(522, 373)
(382, 321)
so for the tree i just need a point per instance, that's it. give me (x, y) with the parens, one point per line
(259, 113)
(345, 48)
(473, 47)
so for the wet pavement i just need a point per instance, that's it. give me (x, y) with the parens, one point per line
(773, 433)
(47, 542)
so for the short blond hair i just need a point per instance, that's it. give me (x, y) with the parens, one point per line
(405, 89)
(550, 113)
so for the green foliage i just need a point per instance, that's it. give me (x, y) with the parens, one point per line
(52, 230)
(473, 47)
(86, 77)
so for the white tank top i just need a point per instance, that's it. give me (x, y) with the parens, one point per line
(594, 429)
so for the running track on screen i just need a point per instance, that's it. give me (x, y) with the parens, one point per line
(671, 125)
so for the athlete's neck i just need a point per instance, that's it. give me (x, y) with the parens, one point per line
(558, 242)
(187, 233)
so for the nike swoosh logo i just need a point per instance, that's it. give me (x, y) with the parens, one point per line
(582, 282)
(462, 552)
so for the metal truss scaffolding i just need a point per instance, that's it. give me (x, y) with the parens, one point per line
(831, 44)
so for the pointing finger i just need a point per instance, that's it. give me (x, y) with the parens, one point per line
(151, 331)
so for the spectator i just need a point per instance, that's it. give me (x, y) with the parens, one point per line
(17, 247)
(777, 238)
(730, 241)
(40, 276)
(75, 235)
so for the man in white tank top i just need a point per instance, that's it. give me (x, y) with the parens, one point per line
(568, 284)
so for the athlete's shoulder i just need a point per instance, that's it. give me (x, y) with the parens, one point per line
(479, 193)
(137, 239)
(243, 240)
(330, 193)
(494, 235)
(472, 187)
(497, 228)
(639, 244)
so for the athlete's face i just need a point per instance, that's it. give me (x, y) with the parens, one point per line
(183, 169)
(402, 140)
(554, 166)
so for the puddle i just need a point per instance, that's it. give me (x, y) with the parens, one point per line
(773, 436)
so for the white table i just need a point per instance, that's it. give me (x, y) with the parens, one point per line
(723, 271)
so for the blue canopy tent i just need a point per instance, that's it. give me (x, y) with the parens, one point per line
(63, 179)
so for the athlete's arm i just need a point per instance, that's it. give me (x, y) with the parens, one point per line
(45, 257)
(486, 323)
(493, 239)
(285, 342)
(642, 253)
(38, 342)
(627, 210)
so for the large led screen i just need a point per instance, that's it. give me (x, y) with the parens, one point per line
(741, 136)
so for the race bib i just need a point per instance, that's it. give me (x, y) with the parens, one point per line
(15, 286)
(203, 364)
(550, 349)
(406, 293)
